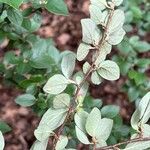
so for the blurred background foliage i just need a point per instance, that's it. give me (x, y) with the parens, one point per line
(28, 60)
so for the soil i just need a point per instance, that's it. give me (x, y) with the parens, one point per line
(66, 31)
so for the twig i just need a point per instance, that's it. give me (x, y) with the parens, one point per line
(62, 127)
(101, 42)
(125, 142)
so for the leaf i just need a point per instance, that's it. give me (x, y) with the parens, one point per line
(95, 13)
(13, 3)
(110, 111)
(44, 54)
(100, 143)
(51, 120)
(95, 78)
(62, 142)
(106, 49)
(2, 143)
(32, 24)
(57, 7)
(43, 132)
(91, 33)
(104, 129)
(117, 22)
(25, 100)
(118, 2)
(142, 113)
(56, 84)
(140, 145)
(82, 93)
(68, 64)
(83, 51)
(80, 120)
(93, 122)
(81, 136)
(138, 77)
(61, 101)
(4, 128)
(37, 145)
(109, 70)
(116, 37)
(139, 46)
(86, 67)
(100, 3)
(15, 16)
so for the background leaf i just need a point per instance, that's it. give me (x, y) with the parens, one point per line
(57, 6)
(13, 3)
(25, 100)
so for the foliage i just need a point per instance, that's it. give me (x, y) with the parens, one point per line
(59, 94)
(131, 61)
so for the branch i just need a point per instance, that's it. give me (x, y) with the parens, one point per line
(100, 45)
(124, 143)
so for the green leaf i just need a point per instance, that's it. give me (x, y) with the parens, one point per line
(44, 54)
(2, 143)
(95, 13)
(82, 93)
(2, 17)
(25, 100)
(83, 51)
(51, 120)
(37, 145)
(100, 3)
(95, 78)
(13, 3)
(137, 12)
(4, 127)
(32, 24)
(117, 21)
(100, 143)
(142, 113)
(57, 7)
(104, 129)
(80, 120)
(140, 145)
(56, 84)
(15, 16)
(106, 49)
(139, 46)
(118, 2)
(116, 37)
(109, 70)
(110, 111)
(86, 67)
(136, 76)
(81, 136)
(61, 101)
(43, 132)
(62, 143)
(93, 121)
(91, 33)
(68, 64)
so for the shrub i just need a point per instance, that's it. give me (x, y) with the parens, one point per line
(59, 94)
